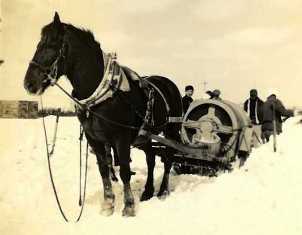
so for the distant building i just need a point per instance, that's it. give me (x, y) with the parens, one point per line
(18, 109)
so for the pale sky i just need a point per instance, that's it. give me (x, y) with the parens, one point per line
(233, 45)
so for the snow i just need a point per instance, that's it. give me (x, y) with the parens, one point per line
(263, 197)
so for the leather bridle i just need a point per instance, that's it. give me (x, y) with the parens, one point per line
(50, 72)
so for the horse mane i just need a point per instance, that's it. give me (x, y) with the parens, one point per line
(86, 45)
(86, 36)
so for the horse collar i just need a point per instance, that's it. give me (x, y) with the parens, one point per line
(113, 79)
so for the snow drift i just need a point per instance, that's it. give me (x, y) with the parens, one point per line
(263, 197)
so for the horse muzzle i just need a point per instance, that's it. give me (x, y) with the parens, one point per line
(35, 82)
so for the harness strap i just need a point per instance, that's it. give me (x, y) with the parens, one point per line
(82, 197)
(49, 168)
(83, 107)
(51, 72)
(80, 144)
(158, 91)
(51, 175)
(52, 75)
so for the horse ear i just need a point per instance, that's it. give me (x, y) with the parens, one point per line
(56, 19)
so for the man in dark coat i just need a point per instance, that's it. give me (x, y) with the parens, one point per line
(254, 107)
(187, 99)
(214, 95)
(273, 109)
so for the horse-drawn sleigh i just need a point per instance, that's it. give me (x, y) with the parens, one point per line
(114, 102)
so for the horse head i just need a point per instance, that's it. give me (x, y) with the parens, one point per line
(65, 50)
(47, 64)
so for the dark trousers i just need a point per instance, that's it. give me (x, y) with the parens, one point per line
(267, 134)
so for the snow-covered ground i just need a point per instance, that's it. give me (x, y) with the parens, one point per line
(263, 197)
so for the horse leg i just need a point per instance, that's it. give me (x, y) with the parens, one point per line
(164, 187)
(149, 186)
(109, 198)
(172, 133)
(115, 157)
(123, 151)
(109, 161)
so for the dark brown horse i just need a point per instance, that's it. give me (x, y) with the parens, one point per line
(67, 50)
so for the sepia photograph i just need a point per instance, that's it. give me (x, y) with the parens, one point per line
(150, 117)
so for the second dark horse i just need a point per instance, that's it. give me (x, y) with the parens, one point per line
(76, 54)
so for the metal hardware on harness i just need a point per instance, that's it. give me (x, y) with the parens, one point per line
(175, 119)
(144, 80)
(149, 118)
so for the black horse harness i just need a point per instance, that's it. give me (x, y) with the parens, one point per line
(112, 85)
(52, 75)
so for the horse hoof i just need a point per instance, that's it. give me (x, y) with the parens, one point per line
(163, 194)
(108, 207)
(107, 212)
(129, 211)
(146, 196)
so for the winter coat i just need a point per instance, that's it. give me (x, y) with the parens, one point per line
(186, 101)
(254, 108)
(269, 115)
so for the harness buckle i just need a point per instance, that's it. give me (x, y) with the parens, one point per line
(87, 113)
